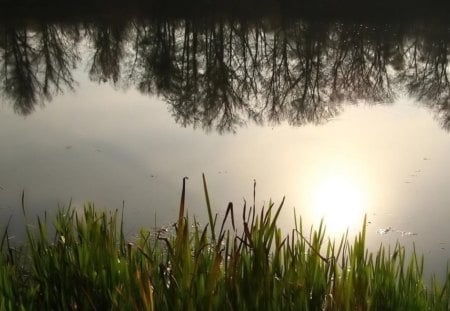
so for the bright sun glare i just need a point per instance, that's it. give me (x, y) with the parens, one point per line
(339, 201)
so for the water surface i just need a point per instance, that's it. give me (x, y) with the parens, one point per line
(345, 119)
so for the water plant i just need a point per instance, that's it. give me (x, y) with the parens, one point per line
(85, 263)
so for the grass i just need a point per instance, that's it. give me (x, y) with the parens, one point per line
(86, 264)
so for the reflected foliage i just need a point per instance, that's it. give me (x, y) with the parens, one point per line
(426, 73)
(36, 63)
(108, 47)
(220, 74)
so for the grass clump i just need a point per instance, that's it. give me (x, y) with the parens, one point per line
(86, 264)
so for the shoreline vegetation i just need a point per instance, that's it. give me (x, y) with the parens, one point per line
(87, 263)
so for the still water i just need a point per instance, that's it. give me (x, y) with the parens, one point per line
(343, 119)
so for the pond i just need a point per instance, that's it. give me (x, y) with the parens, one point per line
(344, 119)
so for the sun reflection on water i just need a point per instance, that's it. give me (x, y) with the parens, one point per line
(340, 200)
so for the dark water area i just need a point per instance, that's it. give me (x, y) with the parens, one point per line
(244, 9)
(344, 117)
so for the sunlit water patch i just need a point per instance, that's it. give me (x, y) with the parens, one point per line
(340, 201)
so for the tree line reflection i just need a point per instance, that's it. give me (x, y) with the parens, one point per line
(218, 75)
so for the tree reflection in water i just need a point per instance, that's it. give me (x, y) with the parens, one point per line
(220, 74)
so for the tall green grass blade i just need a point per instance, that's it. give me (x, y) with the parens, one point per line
(212, 223)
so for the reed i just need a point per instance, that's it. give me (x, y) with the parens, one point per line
(86, 264)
